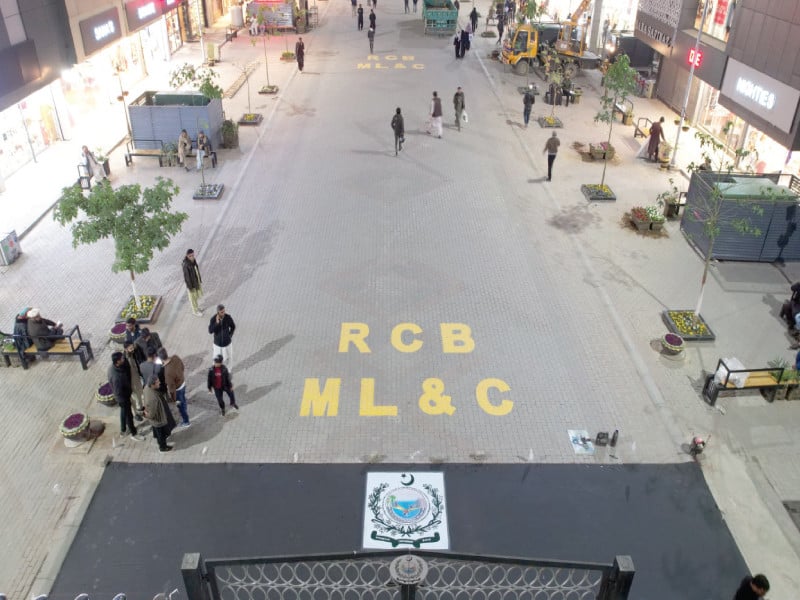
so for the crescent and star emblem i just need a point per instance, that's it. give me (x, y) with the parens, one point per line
(403, 479)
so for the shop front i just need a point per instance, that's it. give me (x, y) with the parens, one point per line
(27, 129)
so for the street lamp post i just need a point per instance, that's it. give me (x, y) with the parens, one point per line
(689, 82)
(122, 95)
(200, 26)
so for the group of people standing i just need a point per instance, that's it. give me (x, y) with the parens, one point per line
(146, 379)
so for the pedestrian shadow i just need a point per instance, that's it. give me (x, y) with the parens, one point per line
(265, 353)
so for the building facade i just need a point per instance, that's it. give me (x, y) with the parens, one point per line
(746, 85)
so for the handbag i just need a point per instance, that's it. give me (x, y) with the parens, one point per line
(465, 117)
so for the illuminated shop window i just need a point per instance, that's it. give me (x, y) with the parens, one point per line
(718, 18)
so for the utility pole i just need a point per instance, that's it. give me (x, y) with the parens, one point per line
(200, 25)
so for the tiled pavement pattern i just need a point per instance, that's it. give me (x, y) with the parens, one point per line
(321, 225)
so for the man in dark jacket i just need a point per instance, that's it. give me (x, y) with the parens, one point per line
(148, 341)
(527, 104)
(119, 376)
(219, 380)
(360, 17)
(222, 327)
(399, 128)
(22, 340)
(40, 329)
(194, 283)
(752, 588)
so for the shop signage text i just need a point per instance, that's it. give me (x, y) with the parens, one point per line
(321, 395)
(695, 57)
(142, 12)
(654, 33)
(100, 30)
(769, 99)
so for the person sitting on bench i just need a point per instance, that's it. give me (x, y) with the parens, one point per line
(22, 340)
(203, 148)
(791, 307)
(40, 328)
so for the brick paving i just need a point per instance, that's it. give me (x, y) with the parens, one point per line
(321, 225)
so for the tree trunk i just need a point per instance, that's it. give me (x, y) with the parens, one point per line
(133, 287)
(266, 63)
(605, 154)
(703, 281)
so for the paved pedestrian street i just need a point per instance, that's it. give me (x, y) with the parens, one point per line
(443, 310)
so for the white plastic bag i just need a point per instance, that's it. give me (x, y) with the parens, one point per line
(464, 117)
(732, 364)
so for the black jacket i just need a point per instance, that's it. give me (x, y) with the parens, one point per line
(223, 332)
(227, 381)
(143, 345)
(120, 380)
(191, 274)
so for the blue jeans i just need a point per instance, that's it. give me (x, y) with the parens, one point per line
(526, 115)
(180, 400)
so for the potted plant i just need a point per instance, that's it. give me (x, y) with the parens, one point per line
(670, 200)
(117, 332)
(102, 158)
(640, 218)
(230, 134)
(74, 427)
(105, 395)
(627, 118)
(672, 343)
(601, 151)
(656, 215)
(287, 56)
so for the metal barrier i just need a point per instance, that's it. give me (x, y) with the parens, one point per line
(370, 576)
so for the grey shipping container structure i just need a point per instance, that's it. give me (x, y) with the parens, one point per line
(758, 200)
(162, 115)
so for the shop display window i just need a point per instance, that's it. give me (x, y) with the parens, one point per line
(718, 18)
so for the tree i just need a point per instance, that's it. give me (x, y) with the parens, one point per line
(139, 221)
(709, 206)
(532, 11)
(619, 82)
(262, 20)
(201, 78)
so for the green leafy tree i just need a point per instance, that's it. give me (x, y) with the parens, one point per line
(710, 207)
(620, 82)
(139, 221)
(262, 20)
(202, 78)
(532, 11)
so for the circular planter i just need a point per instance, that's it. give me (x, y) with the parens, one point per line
(117, 333)
(74, 429)
(105, 395)
(672, 343)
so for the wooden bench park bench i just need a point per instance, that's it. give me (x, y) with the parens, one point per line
(766, 380)
(70, 344)
(142, 147)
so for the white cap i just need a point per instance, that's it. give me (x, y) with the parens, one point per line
(33, 313)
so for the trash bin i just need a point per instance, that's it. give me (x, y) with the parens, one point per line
(9, 248)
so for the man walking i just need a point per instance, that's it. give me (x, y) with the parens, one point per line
(399, 130)
(415, 5)
(656, 136)
(154, 411)
(300, 53)
(119, 377)
(473, 17)
(191, 276)
(405, 6)
(459, 106)
(222, 327)
(500, 26)
(551, 147)
(372, 18)
(464, 43)
(528, 101)
(219, 380)
(176, 383)
(371, 37)
(360, 13)
(436, 115)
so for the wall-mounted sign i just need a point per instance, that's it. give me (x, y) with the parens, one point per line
(170, 4)
(654, 33)
(770, 99)
(100, 30)
(665, 11)
(141, 13)
(695, 58)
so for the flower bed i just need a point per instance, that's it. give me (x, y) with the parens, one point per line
(209, 191)
(145, 313)
(550, 122)
(684, 323)
(251, 119)
(117, 333)
(105, 395)
(640, 218)
(601, 151)
(656, 216)
(593, 191)
(74, 426)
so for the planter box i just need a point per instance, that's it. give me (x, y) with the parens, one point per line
(593, 194)
(679, 321)
(641, 225)
(256, 120)
(555, 124)
(268, 89)
(211, 191)
(598, 153)
(656, 225)
(150, 317)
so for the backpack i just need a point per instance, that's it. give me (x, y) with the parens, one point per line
(394, 122)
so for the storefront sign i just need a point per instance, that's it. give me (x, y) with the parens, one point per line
(100, 30)
(653, 33)
(773, 101)
(141, 13)
(170, 4)
(665, 11)
(695, 58)
(721, 14)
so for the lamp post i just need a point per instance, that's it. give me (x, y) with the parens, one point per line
(122, 95)
(689, 82)
(200, 26)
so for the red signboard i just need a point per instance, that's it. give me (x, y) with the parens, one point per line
(721, 14)
(695, 57)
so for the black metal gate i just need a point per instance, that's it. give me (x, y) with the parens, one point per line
(367, 576)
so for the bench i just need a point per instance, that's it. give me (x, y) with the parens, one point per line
(625, 110)
(142, 147)
(766, 380)
(212, 154)
(70, 344)
(642, 127)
